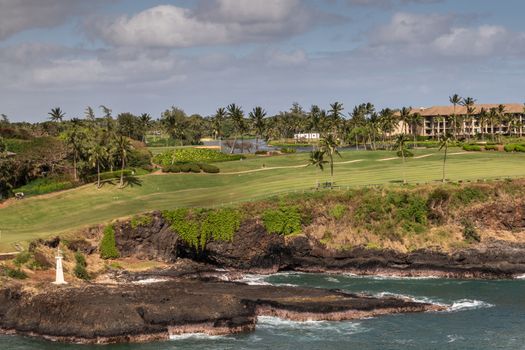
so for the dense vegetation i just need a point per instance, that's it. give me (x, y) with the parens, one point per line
(108, 248)
(193, 155)
(198, 227)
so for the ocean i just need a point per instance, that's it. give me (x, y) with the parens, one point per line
(481, 315)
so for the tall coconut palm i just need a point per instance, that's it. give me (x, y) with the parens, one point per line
(218, 121)
(97, 154)
(501, 119)
(257, 117)
(400, 145)
(56, 114)
(483, 118)
(404, 117)
(123, 148)
(145, 125)
(468, 103)
(416, 121)
(236, 114)
(75, 138)
(455, 100)
(328, 144)
(493, 119)
(443, 144)
(335, 113)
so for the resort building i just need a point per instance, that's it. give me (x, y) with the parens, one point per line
(478, 119)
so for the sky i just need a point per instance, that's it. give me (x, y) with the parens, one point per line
(144, 56)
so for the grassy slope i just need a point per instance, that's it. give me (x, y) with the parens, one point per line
(70, 210)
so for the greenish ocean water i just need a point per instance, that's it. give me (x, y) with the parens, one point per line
(482, 315)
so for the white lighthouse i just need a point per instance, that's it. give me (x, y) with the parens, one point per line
(59, 270)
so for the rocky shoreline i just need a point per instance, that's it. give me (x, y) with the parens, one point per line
(125, 312)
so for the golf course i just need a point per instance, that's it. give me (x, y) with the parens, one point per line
(250, 179)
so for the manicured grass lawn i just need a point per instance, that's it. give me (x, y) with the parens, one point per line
(67, 212)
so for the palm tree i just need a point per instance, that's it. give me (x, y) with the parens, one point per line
(335, 113)
(444, 143)
(493, 119)
(235, 113)
(501, 119)
(415, 121)
(404, 117)
(328, 145)
(468, 103)
(145, 124)
(75, 138)
(123, 148)
(97, 153)
(56, 114)
(317, 159)
(483, 118)
(257, 116)
(218, 120)
(455, 100)
(400, 145)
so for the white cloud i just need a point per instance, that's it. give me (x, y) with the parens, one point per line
(219, 22)
(20, 15)
(413, 34)
(410, 28)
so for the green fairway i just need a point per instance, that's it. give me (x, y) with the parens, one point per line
(68, 211)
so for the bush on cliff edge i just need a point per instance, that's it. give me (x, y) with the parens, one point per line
(108, 246)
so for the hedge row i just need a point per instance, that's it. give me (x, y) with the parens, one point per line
(191, 167)
(193, 155)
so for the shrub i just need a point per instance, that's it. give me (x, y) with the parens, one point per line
(468, 195)
(510, 147)
(208, 168)
(472, 148)
(491, 147)
(13, 273)
(195, 168)
(44, 185)
(185, 168)
(285, 220)
(108, 245)
(470, 233)
(220, 225)
(288, 150)
(438, 197)
(80, 270)
(193, 155)
(22, 258)
(338, 211)
(141, 220)
(520, 148)
(261, 152)
(171, 169)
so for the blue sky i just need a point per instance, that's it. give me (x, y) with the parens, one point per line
(147, 55)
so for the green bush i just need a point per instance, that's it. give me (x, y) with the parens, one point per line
(472, 148)
(288, 150)
(338, 211)
(285, 220)
(44, 185)
(22, 258)
(193, 155)
(510, 147)
(108, 245)
(141, 220)
(13, 273)
(491, 147)
(185, 168)
(197, 228)
(208, 168)
(80, 270)
(470, 233)
(520, 148)
(468, 195)
(171, 169)
(195, 168)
